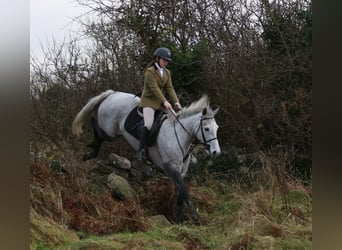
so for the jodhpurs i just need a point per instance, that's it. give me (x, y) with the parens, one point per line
(148, 117)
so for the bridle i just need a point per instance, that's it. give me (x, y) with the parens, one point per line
(205, 141)
(195, 141)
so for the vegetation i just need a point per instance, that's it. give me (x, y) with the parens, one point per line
(67, 212)
(253, 59)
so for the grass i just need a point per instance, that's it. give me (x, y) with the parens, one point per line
(235, 220)
(66, 213)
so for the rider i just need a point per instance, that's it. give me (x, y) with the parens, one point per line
(157, 81)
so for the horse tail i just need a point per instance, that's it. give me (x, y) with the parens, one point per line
(87, 111)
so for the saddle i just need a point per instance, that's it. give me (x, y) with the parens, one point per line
(134, 124)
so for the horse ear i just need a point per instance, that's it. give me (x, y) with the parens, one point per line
(216, 110)
(204, 111)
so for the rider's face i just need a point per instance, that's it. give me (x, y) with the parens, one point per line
(163, 63)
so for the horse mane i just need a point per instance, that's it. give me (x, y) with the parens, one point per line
(195, 107)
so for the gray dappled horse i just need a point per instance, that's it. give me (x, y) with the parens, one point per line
(172, 149)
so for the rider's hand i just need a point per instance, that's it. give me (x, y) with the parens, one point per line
(167, 105)
(178, 107)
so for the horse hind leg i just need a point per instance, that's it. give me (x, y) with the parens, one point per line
(96, 143)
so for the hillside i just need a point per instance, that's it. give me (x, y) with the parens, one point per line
(71, 208)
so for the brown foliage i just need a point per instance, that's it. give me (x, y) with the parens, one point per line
(242, 243)
(159, 197)
(103, 215)
(272, 229)
(61, 197)
(191, 242)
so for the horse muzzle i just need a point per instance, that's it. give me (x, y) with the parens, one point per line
(214, 150)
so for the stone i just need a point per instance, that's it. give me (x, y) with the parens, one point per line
(102, 168)
(120, 188)
(119, 161)
(160, 221)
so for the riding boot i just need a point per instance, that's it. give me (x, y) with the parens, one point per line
(141, 154)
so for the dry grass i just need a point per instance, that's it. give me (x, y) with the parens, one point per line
(235, 218)
(65, 198)
(45, 230)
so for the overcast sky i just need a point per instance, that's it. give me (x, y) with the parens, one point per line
(51, 19)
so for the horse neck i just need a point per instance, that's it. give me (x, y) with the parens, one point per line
(188, 127)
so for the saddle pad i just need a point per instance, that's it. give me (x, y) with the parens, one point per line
(134, 123)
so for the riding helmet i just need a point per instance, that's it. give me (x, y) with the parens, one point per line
(163, 53)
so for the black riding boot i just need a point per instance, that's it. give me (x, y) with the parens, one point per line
(141, 154)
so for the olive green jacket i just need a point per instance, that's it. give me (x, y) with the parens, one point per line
(155, 88)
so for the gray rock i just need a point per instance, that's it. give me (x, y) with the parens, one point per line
(102, 167)
(120, 188)
(160, 221)
(57, 166)
(119, 161)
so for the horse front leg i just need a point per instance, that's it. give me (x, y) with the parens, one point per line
(183, 194)
(180, 202)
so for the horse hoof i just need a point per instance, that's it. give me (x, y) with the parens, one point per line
(198, 220)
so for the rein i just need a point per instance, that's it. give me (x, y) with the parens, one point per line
(195, 141)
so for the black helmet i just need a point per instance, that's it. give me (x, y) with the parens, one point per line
(163, 53)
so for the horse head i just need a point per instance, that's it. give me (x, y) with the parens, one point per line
(207, 131)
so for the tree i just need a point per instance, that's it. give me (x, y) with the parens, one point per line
(253, 59)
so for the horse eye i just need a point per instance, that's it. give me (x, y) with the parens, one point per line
(206, 129)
